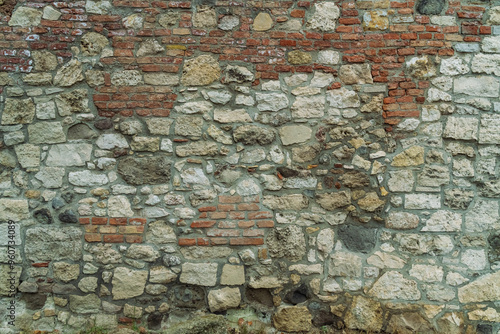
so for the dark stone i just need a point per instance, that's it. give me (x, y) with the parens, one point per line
(67, 196)
(103, 124)
(57, 203)
(287, 172)
(494, 252)
(63, 289)
(323, 318)
(358, 238)
(298, 296)
(154, 321)
(68, 216)
(484, 329)
(43, 216)
(329, 181)
(187, 296)
(260, 296)
(80, 131)
(490, 189)
(147, 170)
(354, 179)
(7, 7)
(34, 301)
(430, 7)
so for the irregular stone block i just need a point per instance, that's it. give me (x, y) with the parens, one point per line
(128, 283)
(145, 170)
(204, 274)
(392, 285)
(53, 243)
(223, 299)
(200, 71)
(288, 242)
(18, 111)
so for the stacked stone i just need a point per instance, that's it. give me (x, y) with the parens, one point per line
(322, 163)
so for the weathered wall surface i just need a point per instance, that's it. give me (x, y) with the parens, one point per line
(317, 162)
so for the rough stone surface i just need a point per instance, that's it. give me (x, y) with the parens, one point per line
(287, 242)
(200, 71)
(392, 285)
(147, 170)
(223, 299)
(128, 283)
(204, 274)
(325, 16)
(292, 319)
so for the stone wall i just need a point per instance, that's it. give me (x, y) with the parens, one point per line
(294, 163)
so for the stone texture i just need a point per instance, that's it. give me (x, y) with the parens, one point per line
(287, 242)
(223, 299)
(66, 272)
(87, 304)
(298, 57)
(25, 17)
(477, 86)
(325, 16)
(402, 220)
(355, 74)
(13, 209)
(294, 134)
(271, 101)
(66, 155)
(46, 133)
(364, 314)
(375, 20)
(200, 148)
(392, 285)
(483, 216)
(262, 22)
(204, 274)
(146, 170)
(430, 7)
(418, 244)
(200, 71)
(483, 289)
(308, 107)
(69, 74)
(53, 243)
(204, 17)
(128, 283)
(344, 264)
(332, 201)
(17, 111)
(93, 43)
(292, 319)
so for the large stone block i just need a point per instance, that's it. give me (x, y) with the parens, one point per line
(53, 243)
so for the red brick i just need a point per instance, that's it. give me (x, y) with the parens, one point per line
(222, 233)
(298, 13)
(203, 223)
(137, 221)
(113, 238)
(226, 224)
(226, 207)
(253, 233)
(131, 229)
(246, 224)
(218, 241)
(246, 241)
(236, 215)
(187, 242)
(218, 215)
(84, 221)
(248, 207)
(207, 209)
(260, 215)
(203, 241)
(230, 199)
(265, 223)
(118, 221)
(133, 239)
(99, 220)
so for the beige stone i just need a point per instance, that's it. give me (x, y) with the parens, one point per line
(232, 275)
(375, 20)
(292, 319)
(223, 299)
(485, 288)
(128, 283)
(66, 272)
(262, 22)
(364, 314)
(200, 71)
(412, 156)
(204, 17)
(69, 74)
(298, 57)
